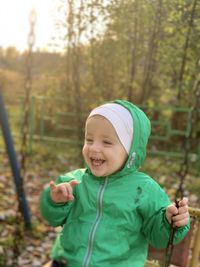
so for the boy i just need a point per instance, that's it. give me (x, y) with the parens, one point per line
(110, 211)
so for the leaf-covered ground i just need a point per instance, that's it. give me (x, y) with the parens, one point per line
(31, 248)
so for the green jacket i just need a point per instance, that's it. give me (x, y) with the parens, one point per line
(112, 220)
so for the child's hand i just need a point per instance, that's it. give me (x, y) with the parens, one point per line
(62, 192)
(178, 216)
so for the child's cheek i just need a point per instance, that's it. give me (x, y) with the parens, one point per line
(85, 152)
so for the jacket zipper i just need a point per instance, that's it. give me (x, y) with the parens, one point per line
(95, 224)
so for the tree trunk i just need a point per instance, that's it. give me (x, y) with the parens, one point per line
(134, 45)
(149, 67)
(185, 50)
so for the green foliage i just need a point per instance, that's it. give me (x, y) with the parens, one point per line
(144, 51)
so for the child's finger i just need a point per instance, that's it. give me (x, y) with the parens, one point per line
(170, 212)
(70, 187)
(52, 186)
(183, 206)
(64, 191)
(180, 220)
(183, 210)
(69, 191)
(180, 217)
(73, 183)
(183, 202)
(172, 209)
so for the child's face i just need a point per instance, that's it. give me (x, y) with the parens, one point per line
(102, 150)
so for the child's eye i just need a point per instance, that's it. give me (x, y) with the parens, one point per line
(107, 142)
(88, 140)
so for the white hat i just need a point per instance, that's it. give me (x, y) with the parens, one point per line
(121, 120)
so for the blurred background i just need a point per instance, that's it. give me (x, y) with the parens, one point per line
(58, 60)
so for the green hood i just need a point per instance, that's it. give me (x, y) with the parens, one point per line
(141, 132)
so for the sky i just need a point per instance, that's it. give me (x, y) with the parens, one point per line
(14, 22)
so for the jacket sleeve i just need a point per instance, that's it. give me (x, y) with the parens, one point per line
(56, 213)
(156, 228)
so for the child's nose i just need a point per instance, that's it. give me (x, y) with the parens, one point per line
(95, 147)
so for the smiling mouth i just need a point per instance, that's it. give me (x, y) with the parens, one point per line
(97, 162)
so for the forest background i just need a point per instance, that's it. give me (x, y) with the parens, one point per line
(144, 51)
